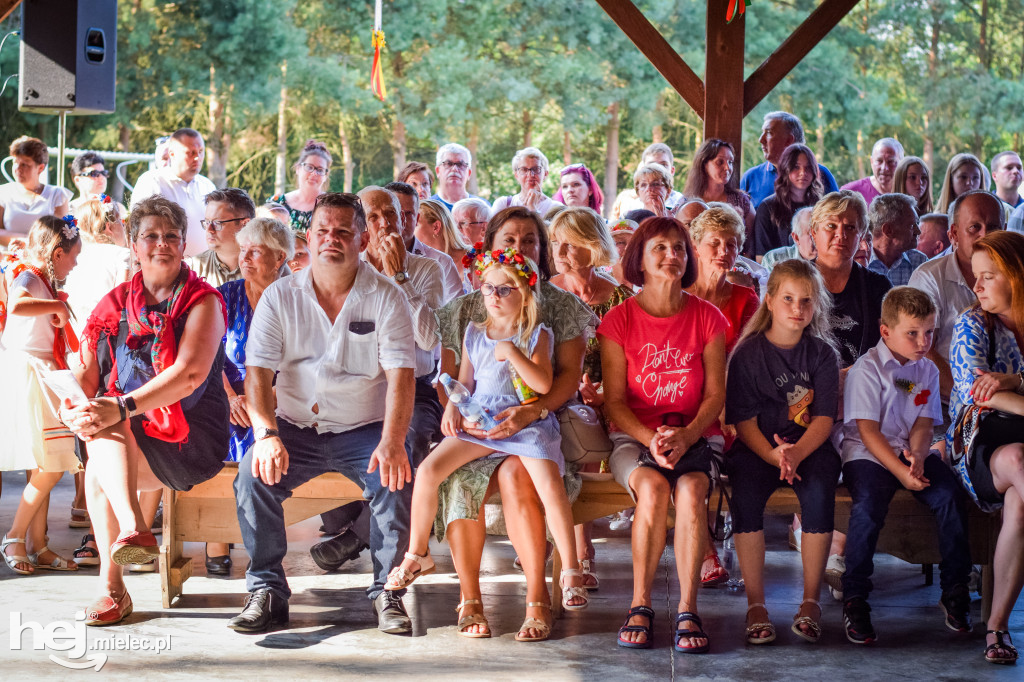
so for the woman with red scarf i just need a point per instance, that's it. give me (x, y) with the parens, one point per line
(152, 355)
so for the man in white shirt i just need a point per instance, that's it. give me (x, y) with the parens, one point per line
(181, 182)
(339, 338)
(409, 202)
(949, 279)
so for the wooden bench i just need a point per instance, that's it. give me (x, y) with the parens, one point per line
(207, 513)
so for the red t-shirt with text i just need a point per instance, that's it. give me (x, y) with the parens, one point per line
(664, 357)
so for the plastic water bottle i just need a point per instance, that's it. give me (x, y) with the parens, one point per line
(470, 409)
(729, 561)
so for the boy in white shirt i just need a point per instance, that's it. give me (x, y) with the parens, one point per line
(892, 402)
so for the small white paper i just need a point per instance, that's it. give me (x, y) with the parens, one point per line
(64, 384)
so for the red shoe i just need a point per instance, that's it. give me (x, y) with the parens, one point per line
(134, 548)
(107, 611)
(712, 572)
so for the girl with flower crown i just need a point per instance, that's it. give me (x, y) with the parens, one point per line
(511, 338)
(37, 338)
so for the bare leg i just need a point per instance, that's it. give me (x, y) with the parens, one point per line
(690, 540)
(524, 520)
(1007, 465)
(30, 516)
(149, 502)
(649, 525)
(114, 462)
(750, 552)
(79, 501)
(466, 538)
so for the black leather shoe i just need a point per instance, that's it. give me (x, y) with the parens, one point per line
(262, 609)
(331, 554)
(392, 617)
(218, 565)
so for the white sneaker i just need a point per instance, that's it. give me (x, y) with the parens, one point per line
(834, 570)
(622, 520)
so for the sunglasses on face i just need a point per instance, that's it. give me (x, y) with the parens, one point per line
(488, 289)
(95, 174)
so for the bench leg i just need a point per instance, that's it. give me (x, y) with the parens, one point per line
(175, 569)
(556, 586)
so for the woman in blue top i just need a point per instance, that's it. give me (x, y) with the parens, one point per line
(266, 245)
(988, 372)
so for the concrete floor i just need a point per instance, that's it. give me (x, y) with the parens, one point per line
(332, 634)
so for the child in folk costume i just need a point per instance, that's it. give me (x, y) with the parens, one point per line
(36, 339)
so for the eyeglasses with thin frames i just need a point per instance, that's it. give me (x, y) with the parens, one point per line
(501, 291)
(218, 225)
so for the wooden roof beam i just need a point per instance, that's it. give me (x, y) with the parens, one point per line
(657, 50)
(779, 63)
(8, 6)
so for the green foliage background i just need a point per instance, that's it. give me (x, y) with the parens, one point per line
(490, 73)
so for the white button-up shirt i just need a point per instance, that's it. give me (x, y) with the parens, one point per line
(189, 195)
(879, 388)
(337, 367)
(451, 276)
(941, 279)
(424, 294)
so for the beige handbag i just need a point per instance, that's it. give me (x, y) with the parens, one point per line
(584, 440)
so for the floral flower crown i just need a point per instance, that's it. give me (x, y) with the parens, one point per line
(70, 228)
(480, 259)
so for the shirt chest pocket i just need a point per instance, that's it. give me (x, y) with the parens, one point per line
(360, 353)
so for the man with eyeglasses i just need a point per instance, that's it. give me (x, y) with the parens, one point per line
(89, 176)
(454, 168)
(181, 183)
(227, 212)
(628, 199)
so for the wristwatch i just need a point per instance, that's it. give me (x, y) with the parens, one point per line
(401, 277)
(262, 432)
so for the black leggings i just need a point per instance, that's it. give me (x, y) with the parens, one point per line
(754, 480)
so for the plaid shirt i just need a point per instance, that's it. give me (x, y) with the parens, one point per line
(899, 274)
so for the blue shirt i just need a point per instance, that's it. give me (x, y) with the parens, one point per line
(900, 272)
(437, 197)
(759, 181)
(239, 318)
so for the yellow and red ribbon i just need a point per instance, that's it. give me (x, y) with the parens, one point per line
(377, 73)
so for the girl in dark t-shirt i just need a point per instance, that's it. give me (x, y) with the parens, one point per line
(782, 397)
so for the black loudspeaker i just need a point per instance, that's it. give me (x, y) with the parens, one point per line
(68, 56)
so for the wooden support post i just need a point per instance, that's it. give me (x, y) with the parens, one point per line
(661, 55)
(723, 77)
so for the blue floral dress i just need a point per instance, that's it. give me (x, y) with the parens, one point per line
(239, 319)
(493, 389)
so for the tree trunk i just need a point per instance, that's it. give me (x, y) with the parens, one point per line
(281, 164)
(658, 132)
(983, 57)
(611, 167)
(346, 155)
(860, 153)
(216, 152)
(928, 153)
(124, 137)
(819, 134)
(472, 144)
(527, 129)
(566, 148)
(398, 145)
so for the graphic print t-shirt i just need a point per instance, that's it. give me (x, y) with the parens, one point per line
(664, 357)
(783, 387)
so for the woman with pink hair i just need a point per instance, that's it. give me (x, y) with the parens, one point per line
(578, 187)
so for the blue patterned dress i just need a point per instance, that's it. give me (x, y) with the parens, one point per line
(239, 319)
(493, 389)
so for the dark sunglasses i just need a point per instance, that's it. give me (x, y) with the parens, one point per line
(95, 174)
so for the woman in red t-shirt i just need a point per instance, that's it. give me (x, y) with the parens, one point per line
(663, 360)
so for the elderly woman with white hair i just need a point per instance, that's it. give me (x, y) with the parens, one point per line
(266, 245)
(653, 185)
(530, 167)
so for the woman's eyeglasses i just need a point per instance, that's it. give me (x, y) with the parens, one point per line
(315, 170)
(501, 291)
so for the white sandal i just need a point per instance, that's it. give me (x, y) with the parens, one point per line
(58, 564)
(401, 578)
(13, 561)
(577, 592)
(587, 566)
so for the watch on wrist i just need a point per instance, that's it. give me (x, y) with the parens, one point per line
(262, 432)
(129, 403)
(401, 277)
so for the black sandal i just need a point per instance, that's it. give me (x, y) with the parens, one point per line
(699, 633)
(1011, 659)
(86, 555)
(648, 613)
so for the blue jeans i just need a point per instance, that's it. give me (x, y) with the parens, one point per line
(872, 486)
(310, 454)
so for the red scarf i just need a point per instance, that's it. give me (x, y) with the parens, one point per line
(64, 338)
(164, 423)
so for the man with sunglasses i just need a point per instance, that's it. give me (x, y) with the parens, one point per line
(227, 212)
(89, 176)
(181, 182)
(454, 168)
